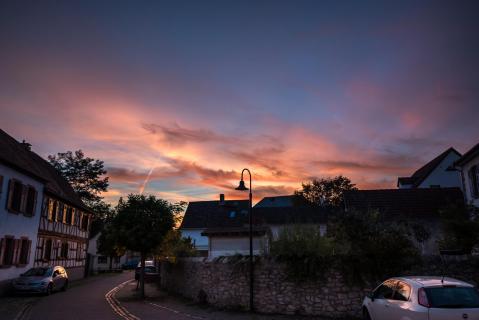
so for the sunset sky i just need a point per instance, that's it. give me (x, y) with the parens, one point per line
(178, 96)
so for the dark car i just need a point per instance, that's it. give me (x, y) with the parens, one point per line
(130, 265)
(149, 272)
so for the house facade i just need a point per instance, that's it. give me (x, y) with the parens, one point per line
(224, 225)
(21, 196)
(437, 173)
(468, 165)
(202, 215)
(99, 263)
(41, 210)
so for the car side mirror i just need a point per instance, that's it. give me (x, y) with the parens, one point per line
(370, 295)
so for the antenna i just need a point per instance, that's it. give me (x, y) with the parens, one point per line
(442, 253)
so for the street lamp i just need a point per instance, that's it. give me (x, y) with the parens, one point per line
(242, 187)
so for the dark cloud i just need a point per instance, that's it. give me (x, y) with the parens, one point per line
(177, 135)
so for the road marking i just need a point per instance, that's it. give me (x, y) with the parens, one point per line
(176, 311)
(115, 304)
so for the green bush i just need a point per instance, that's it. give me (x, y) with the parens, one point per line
(306, 254)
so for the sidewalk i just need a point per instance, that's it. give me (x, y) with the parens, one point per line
(160, 305)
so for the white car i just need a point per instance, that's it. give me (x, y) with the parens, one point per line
(422, 298)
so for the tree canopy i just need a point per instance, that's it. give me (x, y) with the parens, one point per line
(85, 175)
(326, 192)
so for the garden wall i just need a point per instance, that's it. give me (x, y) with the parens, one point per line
(226, 285)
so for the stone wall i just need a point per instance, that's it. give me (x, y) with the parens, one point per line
(226, 285)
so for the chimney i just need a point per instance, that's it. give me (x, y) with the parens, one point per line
(222, 199)
(26, 145)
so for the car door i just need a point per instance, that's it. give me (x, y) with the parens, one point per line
(382, 296)
(57, 279)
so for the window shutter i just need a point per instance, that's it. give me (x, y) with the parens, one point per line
(23, 202)
(2, 250)
(29, 244)
(17, 246)
(11, 185)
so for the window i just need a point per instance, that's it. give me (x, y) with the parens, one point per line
(102, 260)
(31, 201)
(402, 291)
(84, 222)
(60, 213)
(15, 191)
(474, 181)
(69, 215)
(385, 291)
(24, 251)
(64, 250)
(48, 249)
(52, 209)
(117, 260)
(72, 219)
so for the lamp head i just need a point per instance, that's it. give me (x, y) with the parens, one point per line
(241, 186)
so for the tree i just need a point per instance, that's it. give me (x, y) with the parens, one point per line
(175, 246)
(85, 175)
(108, 244)
(370, 246)
(460, 228)
(326, 192)
(141, 224)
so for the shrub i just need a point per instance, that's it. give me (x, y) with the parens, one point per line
(306, 254)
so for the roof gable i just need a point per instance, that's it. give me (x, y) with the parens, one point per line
(422, 173)
(16, 155)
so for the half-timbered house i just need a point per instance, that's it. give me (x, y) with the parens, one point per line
(59, 221)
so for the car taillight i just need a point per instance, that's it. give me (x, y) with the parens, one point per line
(422, 298)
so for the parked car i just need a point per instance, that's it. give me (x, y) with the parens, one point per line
(148, 263)
(422, 298)
(130, 265)
(42, 280)
(149, 271)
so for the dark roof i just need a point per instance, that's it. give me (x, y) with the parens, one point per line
(235, 213)
(469, 155)
(17, 156)
(422, 173)
(281, 201)
(212, 214)
(290, 215)
(420, 202)
(234, 231)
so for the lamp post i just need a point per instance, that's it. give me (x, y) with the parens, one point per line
(242, 187)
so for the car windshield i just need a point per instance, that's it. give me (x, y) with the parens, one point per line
(38, 272)
(453, 297)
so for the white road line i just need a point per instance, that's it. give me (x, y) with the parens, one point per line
(115, 304)
(177, 312)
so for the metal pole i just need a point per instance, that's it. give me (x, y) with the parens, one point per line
(251, 265)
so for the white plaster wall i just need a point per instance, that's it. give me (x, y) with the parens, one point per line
(200, 242)
(18, 225)
(467, 182)
(228, 246)
(440, 176)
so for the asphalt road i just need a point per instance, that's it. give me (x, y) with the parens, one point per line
(86, 300)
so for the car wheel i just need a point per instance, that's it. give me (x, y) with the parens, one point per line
(49, 289)
(65, 286)
(366, 315)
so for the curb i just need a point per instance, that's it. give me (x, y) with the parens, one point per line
(115, 304)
